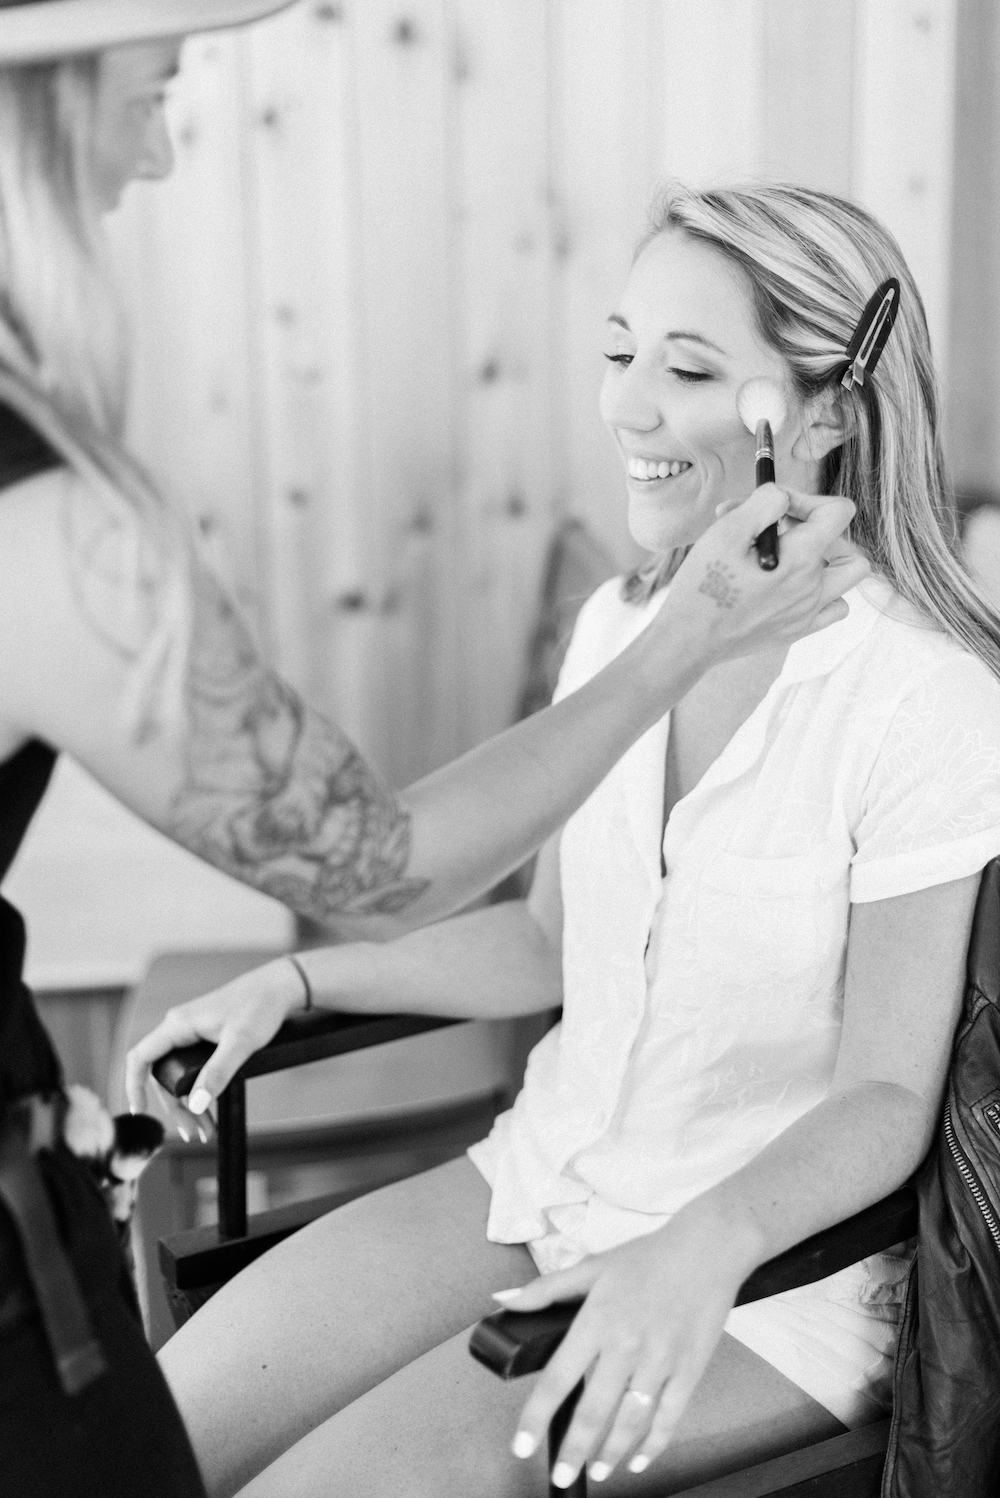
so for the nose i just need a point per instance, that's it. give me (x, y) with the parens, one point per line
(156, 159)
(627, 402)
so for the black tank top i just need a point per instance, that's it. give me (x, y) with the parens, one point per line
(28, 1062)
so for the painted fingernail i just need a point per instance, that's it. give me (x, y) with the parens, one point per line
(199, 1100)
(504, 1295)
(639, 1463)
(184, 1134)
(562, 1475)
(524, 1444)
(599, 1471)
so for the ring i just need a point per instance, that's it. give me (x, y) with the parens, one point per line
(644, 1399)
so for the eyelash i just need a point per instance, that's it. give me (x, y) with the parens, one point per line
(686, 376)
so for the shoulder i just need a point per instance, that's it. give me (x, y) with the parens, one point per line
(605, 625)
(70, 550)
(905, 657)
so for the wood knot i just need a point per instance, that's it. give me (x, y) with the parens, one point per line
(405, 33)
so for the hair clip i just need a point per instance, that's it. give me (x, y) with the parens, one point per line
(874, 327)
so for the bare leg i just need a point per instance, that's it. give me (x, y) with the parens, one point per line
(332, 1312)
(442, 1426)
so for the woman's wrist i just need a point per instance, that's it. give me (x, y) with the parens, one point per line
(335, 977)
(737, 1239)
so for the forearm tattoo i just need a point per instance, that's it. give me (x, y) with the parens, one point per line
(274, 793)
(719, 583)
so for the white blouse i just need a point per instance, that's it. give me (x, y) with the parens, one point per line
(702, 1010)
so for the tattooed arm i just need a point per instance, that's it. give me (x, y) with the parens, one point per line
(273, 792)
(259, 784)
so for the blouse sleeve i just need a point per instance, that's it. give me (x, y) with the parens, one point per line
(931, 811)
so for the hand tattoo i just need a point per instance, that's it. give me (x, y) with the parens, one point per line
(718, 583)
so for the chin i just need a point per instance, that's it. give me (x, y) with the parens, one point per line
(655, 532)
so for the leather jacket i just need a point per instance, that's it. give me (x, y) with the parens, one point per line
(944, 1439)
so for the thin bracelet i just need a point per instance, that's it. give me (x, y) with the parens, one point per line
(296, 964)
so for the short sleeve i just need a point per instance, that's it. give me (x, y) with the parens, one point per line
(931, 812)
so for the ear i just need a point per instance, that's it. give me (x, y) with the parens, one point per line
(822, 428)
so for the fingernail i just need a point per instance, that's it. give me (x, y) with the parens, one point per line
(638, 1464)
(199, 1100)
(599, 1471)
(504, 1295)
(524, 1444)
(562, 1475)
(184, 1134)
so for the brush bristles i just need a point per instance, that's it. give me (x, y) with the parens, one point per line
(760, 400)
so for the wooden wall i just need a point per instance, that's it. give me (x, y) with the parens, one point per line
(369, 302)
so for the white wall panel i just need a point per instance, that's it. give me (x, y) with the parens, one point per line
(904, 137)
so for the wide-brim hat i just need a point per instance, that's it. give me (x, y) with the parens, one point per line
(42, 30)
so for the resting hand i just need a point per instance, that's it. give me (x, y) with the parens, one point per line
(654, 1311)
(240, 1017)
(723, 591)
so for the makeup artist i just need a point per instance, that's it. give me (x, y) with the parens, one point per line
(117, 646)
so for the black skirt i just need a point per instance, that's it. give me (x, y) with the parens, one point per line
(122, 1437)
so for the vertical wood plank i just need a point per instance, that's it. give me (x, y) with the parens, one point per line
(974, 333)
(307, 349)
(607, 101)
(183, 247)
(807, 92)
(502, 283)
(905, 101)
(405, 393)
(713, 70)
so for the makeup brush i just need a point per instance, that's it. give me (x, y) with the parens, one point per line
(762, 409)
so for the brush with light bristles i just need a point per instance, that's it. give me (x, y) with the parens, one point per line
(762, 409)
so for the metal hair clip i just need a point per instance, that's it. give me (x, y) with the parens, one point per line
(874, 327)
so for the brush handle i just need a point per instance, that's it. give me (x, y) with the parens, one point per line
(767, 542)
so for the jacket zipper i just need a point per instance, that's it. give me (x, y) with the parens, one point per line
(965, 1171)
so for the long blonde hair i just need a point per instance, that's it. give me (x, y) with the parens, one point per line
(63, 350)
(811, 261)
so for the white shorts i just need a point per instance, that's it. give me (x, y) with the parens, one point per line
(836, 1339)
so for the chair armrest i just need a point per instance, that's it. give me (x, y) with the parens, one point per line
(510, 1344)
(311, 1036)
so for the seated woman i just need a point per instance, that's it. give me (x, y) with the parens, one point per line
(756, 927)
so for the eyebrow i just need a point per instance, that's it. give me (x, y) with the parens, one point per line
(617, 318)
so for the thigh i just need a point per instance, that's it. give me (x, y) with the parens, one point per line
(333, 1311)
(442, 1427)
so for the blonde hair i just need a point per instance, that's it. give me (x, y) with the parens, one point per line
(62, 322)
(811, 262)
(63, 355)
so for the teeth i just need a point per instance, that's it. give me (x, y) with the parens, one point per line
(643, 468)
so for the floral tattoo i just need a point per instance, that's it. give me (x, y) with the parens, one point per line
(719, 583)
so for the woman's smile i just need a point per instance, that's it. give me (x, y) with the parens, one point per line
(648, 471)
